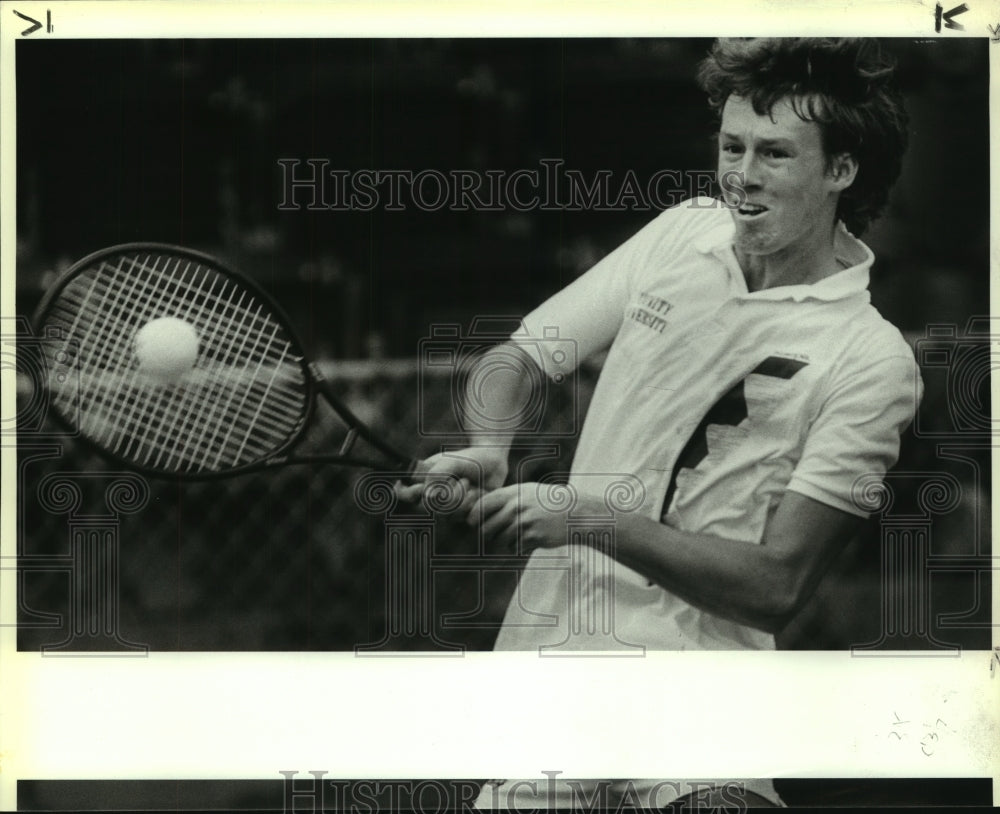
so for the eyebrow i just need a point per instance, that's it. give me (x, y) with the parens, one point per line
(765, 142)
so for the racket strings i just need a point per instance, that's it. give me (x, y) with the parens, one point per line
(217, 410)
(245, 398)
(96, 331)
(121, 347)
(261, 399)
(160, 430)
(181, 419)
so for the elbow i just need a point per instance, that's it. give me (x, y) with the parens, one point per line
(783, 598)
(780, 610)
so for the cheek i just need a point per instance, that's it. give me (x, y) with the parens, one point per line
(725, 169)
(800, 198)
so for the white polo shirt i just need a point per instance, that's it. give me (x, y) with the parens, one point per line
(718, 398)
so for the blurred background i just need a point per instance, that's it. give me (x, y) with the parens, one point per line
(180, 142)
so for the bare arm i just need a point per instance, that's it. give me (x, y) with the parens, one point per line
(499, 386)
(762, 586)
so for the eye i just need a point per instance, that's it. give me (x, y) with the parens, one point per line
(774, 153)
(732, 149)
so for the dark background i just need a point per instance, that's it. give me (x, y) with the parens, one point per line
(832, 794)
(178, 141)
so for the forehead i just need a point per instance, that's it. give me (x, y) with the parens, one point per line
(740, 119)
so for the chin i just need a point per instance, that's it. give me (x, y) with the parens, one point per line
(754, 244)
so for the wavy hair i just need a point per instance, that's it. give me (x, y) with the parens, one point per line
(844, 85)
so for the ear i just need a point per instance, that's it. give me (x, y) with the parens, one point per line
(842, 170)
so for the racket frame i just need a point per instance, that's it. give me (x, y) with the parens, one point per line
(314, 382)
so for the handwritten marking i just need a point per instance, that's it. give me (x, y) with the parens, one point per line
(948, 16)
(35, 25)
(929, 741)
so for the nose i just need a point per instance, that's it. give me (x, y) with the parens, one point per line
(750, 171)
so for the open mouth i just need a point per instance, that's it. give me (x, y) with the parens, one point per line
(749, 210)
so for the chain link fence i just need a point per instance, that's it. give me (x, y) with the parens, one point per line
(293, 559)
(287, 559)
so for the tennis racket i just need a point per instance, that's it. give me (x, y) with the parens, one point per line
(224, 389)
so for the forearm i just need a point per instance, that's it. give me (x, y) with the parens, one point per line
(496, 393)
(760, 585)
(745, 582)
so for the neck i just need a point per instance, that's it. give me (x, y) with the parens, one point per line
(800, 264)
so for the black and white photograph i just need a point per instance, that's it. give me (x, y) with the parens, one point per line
(400, 358)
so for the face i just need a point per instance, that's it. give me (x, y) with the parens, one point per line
(779, 176)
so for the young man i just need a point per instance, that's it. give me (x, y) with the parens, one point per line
(751, 393)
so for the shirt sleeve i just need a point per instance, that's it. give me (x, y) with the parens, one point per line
(586, 315)
(856, 434)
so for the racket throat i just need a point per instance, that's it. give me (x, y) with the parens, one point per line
(349, 440)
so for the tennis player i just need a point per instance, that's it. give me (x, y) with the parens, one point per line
(750, 389)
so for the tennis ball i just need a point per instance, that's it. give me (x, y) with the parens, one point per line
(166, 348)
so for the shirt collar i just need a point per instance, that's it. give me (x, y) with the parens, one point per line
(849, 251)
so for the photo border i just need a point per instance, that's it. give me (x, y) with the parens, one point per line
(238, 715)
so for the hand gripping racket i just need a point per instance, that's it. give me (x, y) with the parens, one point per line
(226, 389)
